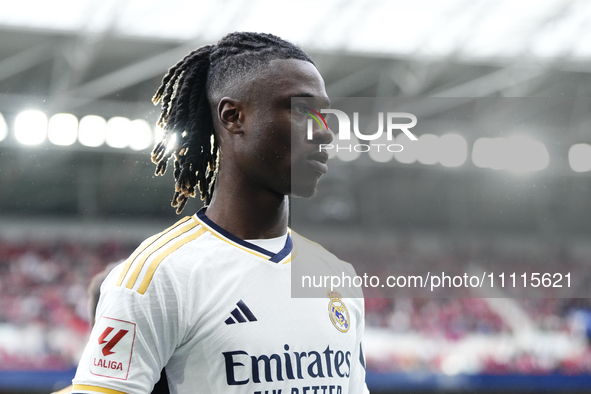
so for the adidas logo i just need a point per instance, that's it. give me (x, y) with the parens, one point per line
(240, 316)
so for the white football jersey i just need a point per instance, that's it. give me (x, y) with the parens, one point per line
(216, 313)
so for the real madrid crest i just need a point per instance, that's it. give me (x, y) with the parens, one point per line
(338, 312)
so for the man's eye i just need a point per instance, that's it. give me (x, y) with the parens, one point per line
(314, 112)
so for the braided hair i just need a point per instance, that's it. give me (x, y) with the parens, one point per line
(187, 95)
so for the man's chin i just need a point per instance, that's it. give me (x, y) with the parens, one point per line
(303, 191)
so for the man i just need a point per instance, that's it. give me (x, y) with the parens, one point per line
(207, 302)
(93, 298)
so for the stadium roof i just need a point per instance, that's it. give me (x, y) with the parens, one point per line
(106, 58)
(478, 30)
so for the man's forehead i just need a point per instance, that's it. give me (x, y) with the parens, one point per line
(292, 66)
(295, 77)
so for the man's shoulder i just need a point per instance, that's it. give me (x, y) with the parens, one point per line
(303, 242)
(305, 247)
(173, 251)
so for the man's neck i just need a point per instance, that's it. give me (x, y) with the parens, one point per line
(249, 213)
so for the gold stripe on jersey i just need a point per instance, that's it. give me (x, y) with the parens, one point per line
(215, 233)
(66, 390)
(140, 249)
(154, 247)
(156, 262)
(133, 256)
(311, 242)
(291, 255)
(96, 389)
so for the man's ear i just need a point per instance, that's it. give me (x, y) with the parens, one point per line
(230, 114)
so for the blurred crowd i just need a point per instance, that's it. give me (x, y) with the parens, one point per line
(43, 300)
(505, 331)
(44, 316)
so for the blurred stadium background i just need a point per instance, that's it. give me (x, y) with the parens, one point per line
(77, 189)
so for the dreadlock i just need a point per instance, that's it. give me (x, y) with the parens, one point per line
(186, 94)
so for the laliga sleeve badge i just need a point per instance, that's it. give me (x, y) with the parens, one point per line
(338, 312)
(113, 346)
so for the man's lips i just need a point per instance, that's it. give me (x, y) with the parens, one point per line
(318, 160)
(319, 156)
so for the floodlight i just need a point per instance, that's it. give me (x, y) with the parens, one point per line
(3, 128)
(525, 155)
(158, 133)
(118, 132)
(140, 134)
(579, 157)
(411, 149)
(453, 150)
(62, 129)
(428, 149)
(482, 153)
(30, 127)
(92, 130)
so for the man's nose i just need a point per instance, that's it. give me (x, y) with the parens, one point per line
(322, 135)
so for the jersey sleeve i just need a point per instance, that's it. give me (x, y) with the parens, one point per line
(357, 379)
(133, 338)
(66, 390)
(357, 383)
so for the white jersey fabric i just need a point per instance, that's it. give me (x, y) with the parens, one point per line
(216, 313)
(271, 244)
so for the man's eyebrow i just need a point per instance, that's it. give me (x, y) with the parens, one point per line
(325, 99)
